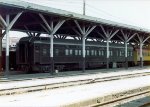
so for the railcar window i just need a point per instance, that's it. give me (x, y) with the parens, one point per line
(76, 52)
(71, 52)
(95, 53)
(146, 54)
(102, 53)
(143, 53)
(66, 52)
(79, 52)
(111, 53)
(22, 52)
(57, 52)
(44, 52)
(87, 52)
(92, 52)
(37, 49)
(117, 53)
(128, 53)
(99, 52)
(131, 53)
(120, 53)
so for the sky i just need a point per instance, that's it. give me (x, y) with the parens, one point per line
(132, 12)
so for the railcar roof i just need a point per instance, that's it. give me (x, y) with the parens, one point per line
(46, 40)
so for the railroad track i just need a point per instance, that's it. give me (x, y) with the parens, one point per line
(115, 100)
(19, 90)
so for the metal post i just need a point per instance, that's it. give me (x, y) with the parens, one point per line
(126, 55)
(108, 35)
(107, 50)
(51, 29)
(0, 50)
(51, 53)
(141, 55)
(83, 54)
(7, 47)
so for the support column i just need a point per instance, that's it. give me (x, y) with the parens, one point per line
(8, 25)
(83, 31)
(126, 55)
(0, 50)
(141, 55)
(83, 54)
(7, 46)
(107, 52)
(51, 53)
(51, 29)
(126, 38)
(108, 36)
(142, 41)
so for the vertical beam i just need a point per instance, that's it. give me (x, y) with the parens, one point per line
(7, 46)
(126, 55)
(141, 50)
(107, 52)
(51, 52)
(8, 25)
(0, 50)
(54, 29)
(109, 36)
(126, 40)
(51, 30)
(83, 54)
(141, 55)
(84, 33)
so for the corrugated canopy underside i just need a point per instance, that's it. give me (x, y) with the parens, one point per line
(30, 19)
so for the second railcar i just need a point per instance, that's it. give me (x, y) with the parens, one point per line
(33, 54)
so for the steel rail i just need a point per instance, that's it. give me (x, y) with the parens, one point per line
(121, 98)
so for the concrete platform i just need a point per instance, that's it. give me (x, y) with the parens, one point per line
(27, 80)
(26, 83)
(19, 77)
(85, 95)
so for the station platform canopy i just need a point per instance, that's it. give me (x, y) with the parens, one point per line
(33, 19)
(30, 20)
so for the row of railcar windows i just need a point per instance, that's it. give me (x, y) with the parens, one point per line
(145, 53)
(78, 52)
